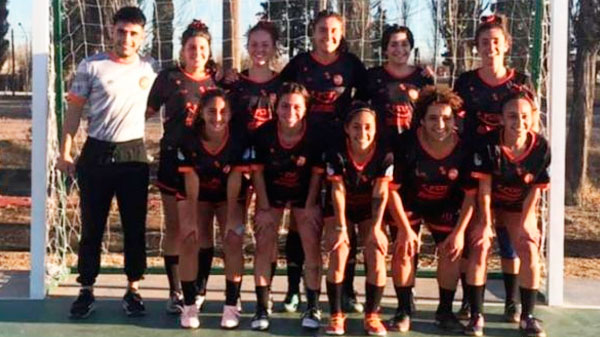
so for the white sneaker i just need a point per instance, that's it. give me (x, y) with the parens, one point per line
(200, 302)
(189, 317)
(231, 317)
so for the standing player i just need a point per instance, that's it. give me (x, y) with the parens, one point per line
(394, 87)
(287, 174)
(330, 73)
(207, 155)
(431, 173)
(179, 89)
(483, 90)
(113, 160)
(512, 167)
(359, 169)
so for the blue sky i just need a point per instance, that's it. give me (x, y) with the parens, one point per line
(20, 11)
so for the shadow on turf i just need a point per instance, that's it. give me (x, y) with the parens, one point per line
(109, 312)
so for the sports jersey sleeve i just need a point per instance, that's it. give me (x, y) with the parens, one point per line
(361, 85)
(81, 86)
(334, 161)
(290, 71)
(185, 153)
(157, 96)
(259, 149)
(542, 179)
(386, 167)
(482, 161)
(467, 182)
(401, 164)
(241, 153)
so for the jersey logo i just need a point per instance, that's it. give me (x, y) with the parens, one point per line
(528, 178)
(248, 154)
(180, 155)
(338, 79)
(330, 170)
(144, 82)
(226, 169)
(453, 174)
(301, 161)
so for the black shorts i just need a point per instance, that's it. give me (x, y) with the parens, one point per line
(354, 213)
(168, 179)
(440, 220)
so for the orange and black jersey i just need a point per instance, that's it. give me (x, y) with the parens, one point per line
(287, 170)
(358, 178)
(212, 167)
(252, 103)
(483, 102)
(180, 94)
(512, 177)
(427, 182)
(330, 85)
(393, 97)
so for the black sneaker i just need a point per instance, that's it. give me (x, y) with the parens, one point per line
(83, 305)
(447, 321)
(464, 313)
(531, 327)
(511, 313)
(260, 321)
(133, 304)
(311, 318)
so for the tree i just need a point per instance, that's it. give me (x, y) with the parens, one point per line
(162, 29)
(293, 18)
(457, 28)
(520, 14)
(356, 14)
(376, 29)
(4, 44)
(586, 28)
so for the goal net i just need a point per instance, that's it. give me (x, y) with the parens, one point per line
(443, 30)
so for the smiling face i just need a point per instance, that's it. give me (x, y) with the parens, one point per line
(517, 118)
(398, 49)
(361, 130)
(261, 47)
(195, 53)
(127, 38)
(327, 35)
(492, 45)
(438, 122)
(216, 115)
(291, 110)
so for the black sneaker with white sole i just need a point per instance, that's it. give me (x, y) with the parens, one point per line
(133, 304)
(311, 318)
(83, 305)
(260, 321)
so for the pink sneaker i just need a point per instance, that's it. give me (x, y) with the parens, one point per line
(189, 317)
(231, 317)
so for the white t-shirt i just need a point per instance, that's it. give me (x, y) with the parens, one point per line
(117, 94)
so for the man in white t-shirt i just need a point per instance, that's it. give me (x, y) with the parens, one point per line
(113, 161)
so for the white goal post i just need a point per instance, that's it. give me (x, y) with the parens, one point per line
(41, 45)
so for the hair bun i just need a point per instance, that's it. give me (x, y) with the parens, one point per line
(198, 25)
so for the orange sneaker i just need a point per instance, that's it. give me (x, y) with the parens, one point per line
(337, 325)
(374, 326)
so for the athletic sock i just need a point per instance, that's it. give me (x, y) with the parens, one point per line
(334, 293)
(294, 256)
(374, 294)
(476, 299)
(312, 298)
(446, 299)
(189, 292)
(232, 292)
(273, 270)
(528, 299)
(262, 298)
(172, 270)
(511, 287)
(205, 257)
(404, 296)
(463, 284)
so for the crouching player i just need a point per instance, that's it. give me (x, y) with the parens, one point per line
(432, 187)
